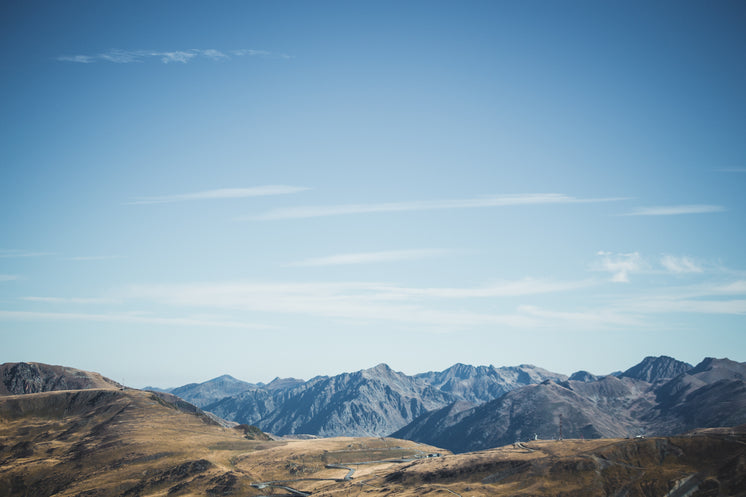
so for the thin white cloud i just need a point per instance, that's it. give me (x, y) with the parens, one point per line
(222, 193)
(357, 301)
(735, 287)
(8, 277)
(351, 301)
(68, 300)
(214, 54)
(127, 318)
(733, 170)
(425, 205)
(676, 210)
(585, 319)
(80, 59)
(371, 257)
(517, 288)
(680, 265)
(119, 56)
(93, 258)
(619, 265)
(12, 254)
(668, 304)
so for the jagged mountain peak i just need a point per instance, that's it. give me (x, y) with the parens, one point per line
(226, 378)
(202, 394)
(283, 383)
(709, 363)
(379, 371)
(461, 370)
(652, 369)
(583, 376)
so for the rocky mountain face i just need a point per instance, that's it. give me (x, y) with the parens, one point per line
(374, 402)
(371, 402)
(643, 400)
(202, 394)
(653, 369)
(484, 383)
(22, 378)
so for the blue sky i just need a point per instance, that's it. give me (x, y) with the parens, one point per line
(297, 188)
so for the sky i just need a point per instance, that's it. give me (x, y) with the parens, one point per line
(262, 189)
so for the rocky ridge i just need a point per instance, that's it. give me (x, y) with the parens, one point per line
(711, 394)
(18, 378)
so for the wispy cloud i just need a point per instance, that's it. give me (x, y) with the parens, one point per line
(93, 258)
(12, 254)
(349, 301)
(425, 205)
(664, 305)
(622, 265)
(733, 170)
(619, 265)
(222, 193)
(676, 210)
(127, 318)
(119, 56)
(680, 265)
(515, 288)
(69, 300)
(358, 301)
(584, 319)
(371, 257)
(8, 277)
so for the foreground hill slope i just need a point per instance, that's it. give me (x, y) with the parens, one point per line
(709, 463)
(107, 442)
(33, 377)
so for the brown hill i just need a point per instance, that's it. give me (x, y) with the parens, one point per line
(107, 442)
(710, 463)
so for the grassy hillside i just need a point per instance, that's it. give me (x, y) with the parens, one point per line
(111, 442)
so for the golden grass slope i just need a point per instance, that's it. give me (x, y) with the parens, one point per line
(112, 442)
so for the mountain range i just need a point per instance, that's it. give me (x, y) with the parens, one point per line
(659, 396)
(370, 402)
(465, 408)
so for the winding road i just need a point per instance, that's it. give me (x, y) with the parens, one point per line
(282, 484)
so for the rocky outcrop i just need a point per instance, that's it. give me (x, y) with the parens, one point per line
(25, 378)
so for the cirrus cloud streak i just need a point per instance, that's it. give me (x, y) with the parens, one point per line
(427, 205)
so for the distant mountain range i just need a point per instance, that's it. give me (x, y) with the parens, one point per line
(659, 396)
(466, 408)
(371, 402)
